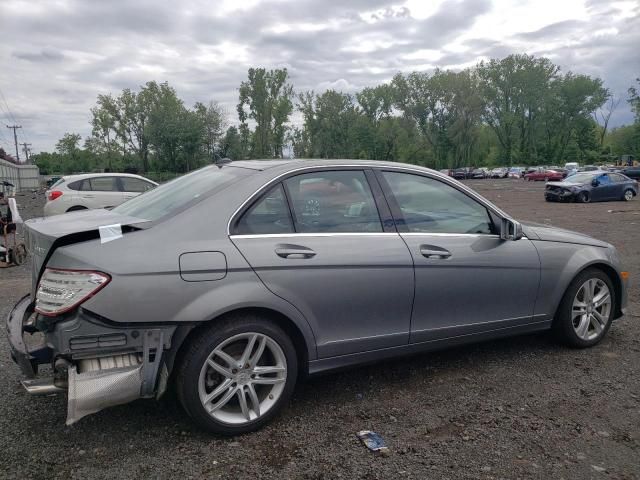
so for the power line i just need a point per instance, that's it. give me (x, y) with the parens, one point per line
(13, 118)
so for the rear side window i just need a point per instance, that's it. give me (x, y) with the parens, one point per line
(103, 184)
(132, 184)
(80, 185)
(617, 178)
(269, 215)
(333, 201)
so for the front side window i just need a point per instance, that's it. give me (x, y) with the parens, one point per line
(269, 215)
(333, 202)
(430, 206)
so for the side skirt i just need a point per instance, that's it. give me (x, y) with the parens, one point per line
(372, 356)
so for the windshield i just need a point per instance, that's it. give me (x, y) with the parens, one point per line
(580, 178)
(180, 193)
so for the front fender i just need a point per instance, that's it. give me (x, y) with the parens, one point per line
(560, 263)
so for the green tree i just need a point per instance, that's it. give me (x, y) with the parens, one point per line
(266, 98)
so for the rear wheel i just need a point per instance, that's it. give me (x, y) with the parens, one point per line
(586, 310)
(584, 197)
(237, 375)
(628, 195)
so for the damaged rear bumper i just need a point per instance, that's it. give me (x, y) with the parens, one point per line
(99, 364)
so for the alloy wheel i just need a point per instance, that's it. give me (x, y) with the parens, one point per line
(628, 195)
(591, 310)
(242, 378)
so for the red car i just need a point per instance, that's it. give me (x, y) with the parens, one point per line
(546, 175)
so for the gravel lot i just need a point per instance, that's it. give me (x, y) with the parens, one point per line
(523, 407)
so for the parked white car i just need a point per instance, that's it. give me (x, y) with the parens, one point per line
(94, 190)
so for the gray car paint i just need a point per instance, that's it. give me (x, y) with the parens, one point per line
(364, 320)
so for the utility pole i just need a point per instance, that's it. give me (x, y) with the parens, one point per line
(26, 149)
(15, 139)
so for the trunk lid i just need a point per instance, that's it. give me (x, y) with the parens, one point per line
(44, 235)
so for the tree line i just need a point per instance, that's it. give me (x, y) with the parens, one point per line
(519, 110)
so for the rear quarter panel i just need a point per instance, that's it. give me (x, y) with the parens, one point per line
(147, 287)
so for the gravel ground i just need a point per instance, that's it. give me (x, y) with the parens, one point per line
(517, 408)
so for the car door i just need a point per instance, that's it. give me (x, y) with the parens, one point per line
(105, 193)
(605, 189)
(324, 241)
(468, 280)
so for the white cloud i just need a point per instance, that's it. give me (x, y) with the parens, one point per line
(58, 55)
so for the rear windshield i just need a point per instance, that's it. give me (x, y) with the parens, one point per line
(180, 193)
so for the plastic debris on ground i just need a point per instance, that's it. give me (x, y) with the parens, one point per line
(373, 442)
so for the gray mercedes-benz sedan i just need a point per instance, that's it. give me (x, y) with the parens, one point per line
(234, 280)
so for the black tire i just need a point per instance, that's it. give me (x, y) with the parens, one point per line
(584, 197)
(196, 354)
(563, 322)
(628, 195)
(76, 208)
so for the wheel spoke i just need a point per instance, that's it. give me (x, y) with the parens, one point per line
(268, 380)
(224, 399)
(248, 349)
(232, 362)
(261, 370)
(588, 291)
(583, 327)
(255, 402)
(259, 351)
(597, 325)
(224, 385)
(219, 368)
(602, 298)
(598, 317)
(242, 398)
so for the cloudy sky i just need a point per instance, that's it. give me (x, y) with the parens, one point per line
(58, 55)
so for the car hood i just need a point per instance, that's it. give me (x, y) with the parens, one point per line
(44, 235)
(547, 233)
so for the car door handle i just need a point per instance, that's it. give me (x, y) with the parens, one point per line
(88, 196)
(294, 251)
(431, 251)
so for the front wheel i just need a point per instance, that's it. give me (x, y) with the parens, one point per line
(586, 310)
(237, 374)
(584, 197)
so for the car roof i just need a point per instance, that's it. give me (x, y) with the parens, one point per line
(294, 164)
(81, 176)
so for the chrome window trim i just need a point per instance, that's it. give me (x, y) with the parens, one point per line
(438, 234)
(335, 234)
(430, 174)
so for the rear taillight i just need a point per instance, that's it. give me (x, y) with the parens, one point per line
(62, 290)
(54, 194)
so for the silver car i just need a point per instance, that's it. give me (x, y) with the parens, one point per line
(234, 280)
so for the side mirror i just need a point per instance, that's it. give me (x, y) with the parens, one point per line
(510, 229)
(595, 182)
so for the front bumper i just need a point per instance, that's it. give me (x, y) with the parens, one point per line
(563, 196)
(103, 364)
